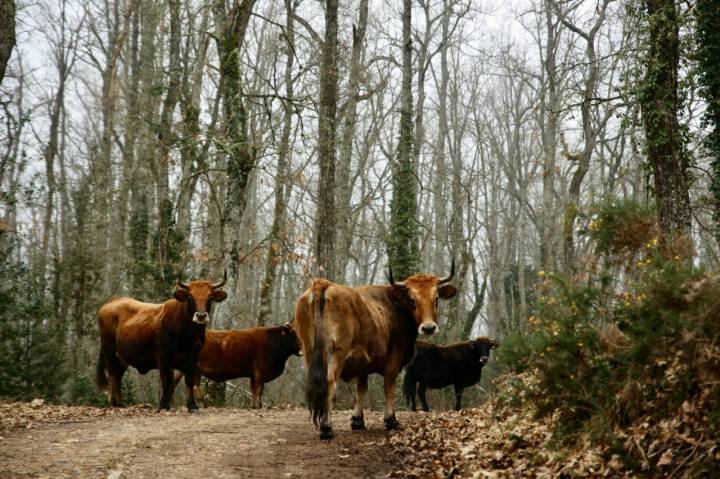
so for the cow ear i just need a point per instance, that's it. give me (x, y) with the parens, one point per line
(181, 295)
(219, 296)
(447, 291)
(399, 293)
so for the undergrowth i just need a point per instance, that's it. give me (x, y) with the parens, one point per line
(635, 368)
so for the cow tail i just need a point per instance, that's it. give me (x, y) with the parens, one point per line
(410, 383)
(317, 383)
(100, 377)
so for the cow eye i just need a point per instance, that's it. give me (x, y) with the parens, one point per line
(412, 301)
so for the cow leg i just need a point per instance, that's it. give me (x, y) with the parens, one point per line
(335, 365)
(357, 421)
(256, 386)
(115, 371)
(196, 390)
(458, 397)
(177, 376)
(166, 380)
(390, 420)
(421, 393)
(115, 389)
(190, 391)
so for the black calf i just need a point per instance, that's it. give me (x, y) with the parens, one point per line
(438, 366)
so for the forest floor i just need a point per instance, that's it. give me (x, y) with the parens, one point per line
(41, 441)
(37, 440)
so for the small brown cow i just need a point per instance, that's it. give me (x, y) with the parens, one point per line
(354, 332)
(256, 353)
(149, 336)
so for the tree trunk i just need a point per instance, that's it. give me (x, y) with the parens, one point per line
(475, 310)
(7, 34)
(344, 187)
(549, 118)
(402, 241)
(707, 14)
(275, 238)
(240, 154)
(166, 243)
(660, 104)
(590, 132)
(326, 226)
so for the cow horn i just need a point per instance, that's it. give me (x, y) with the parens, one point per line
(221, 283)
(448, 278)
(390, 276)
(182, 284)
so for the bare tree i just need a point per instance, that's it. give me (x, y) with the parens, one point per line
(7, 34)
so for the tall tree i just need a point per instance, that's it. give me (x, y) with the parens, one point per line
(231, 28)
(591, 125)
(549, 119)
(660, 103)
(166, 240)
(325, 239)
(344, 188)
(707, 14)
(7, 33)
(282, 174)
(402, 240)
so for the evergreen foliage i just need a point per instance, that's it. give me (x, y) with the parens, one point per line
(30, 344)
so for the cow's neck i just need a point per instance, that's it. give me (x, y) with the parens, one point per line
(183, 314)
(405, 332)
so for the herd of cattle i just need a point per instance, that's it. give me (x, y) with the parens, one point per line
(341, 332)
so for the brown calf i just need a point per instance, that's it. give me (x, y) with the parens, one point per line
(353, 332)
(149, 336)
(256, 353)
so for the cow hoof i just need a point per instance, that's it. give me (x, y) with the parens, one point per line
(357, 423)
(391, 423)
(164, 407)
(192, 408)
(326, 431)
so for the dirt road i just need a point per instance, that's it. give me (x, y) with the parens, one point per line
(222, 443)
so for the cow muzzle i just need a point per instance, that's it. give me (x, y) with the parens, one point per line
(427, 328)
(484, 359)
(201, 318)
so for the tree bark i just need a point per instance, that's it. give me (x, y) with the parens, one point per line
(707, 14)
(7, 34)
(660, 104)
(402, 241)
(549, 118)
(326, 226)
(275, 239)
(344, 188)
(240, 154)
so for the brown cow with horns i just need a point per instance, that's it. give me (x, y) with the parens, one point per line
(149, 336)
(353, 332)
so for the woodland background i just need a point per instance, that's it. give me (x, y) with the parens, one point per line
(143, 140)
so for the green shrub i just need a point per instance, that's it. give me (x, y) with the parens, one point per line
(622, 227)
